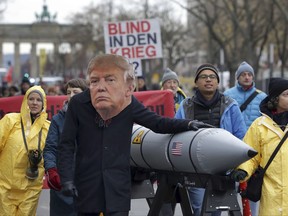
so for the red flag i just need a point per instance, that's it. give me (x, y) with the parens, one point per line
(8, 76)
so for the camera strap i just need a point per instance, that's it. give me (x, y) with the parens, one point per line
(24, 137)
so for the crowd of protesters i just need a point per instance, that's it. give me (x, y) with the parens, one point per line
(14, 90)
(265, 115)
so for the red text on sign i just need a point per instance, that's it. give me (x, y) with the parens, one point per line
(136, 51)
(129, 27)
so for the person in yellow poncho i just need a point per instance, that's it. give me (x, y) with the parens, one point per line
(264, 135)
(22, 139)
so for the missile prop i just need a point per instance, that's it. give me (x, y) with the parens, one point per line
(207, 150)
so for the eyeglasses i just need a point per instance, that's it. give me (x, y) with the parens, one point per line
(205, 76)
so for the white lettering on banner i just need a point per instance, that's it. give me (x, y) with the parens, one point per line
(134, 39)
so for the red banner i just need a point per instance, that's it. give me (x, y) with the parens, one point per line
(161, 102)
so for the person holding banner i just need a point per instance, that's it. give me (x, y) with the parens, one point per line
(141, 84)
(170, 81)
(101, 120)
(25, 85)
(59, 204)
(22, 139)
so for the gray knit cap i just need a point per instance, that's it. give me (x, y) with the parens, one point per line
(169, 74)
(244, 67)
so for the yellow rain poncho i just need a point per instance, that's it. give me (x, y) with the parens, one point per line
(18, 194)
(264, 135)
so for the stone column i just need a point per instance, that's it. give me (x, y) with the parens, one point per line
(56, 59)
(2, 64)
(17, 76)
(33, 61)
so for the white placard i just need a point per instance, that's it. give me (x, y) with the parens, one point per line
(134, 39)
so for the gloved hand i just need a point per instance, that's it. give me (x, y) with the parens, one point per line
(69, 189)
(238, 175)
(53, 179)
(195, 125)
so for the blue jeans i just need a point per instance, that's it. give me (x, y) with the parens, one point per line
(254, 206)
(196, 196)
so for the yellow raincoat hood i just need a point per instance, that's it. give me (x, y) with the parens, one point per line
(25, 112)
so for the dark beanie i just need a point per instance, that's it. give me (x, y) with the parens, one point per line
(206, 66)
(277, 86)
(26, 80)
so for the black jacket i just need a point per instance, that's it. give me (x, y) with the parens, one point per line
(102, 169)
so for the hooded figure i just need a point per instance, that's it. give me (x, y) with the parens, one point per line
(22, 139)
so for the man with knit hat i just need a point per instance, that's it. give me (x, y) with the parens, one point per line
(243, 89)
(170, 81)
(212, 107)
(264, 135)
(241, 92)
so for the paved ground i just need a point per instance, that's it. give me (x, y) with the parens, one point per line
(139, 207)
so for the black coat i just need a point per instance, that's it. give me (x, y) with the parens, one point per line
(102, 169)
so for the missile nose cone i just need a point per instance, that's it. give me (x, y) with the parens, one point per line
(252, 153)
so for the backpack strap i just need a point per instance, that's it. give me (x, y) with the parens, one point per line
(249, 99)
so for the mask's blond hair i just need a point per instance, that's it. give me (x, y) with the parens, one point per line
(108, 61)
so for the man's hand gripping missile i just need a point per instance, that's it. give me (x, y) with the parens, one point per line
(195, 125)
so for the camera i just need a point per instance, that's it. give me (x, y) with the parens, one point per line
(34, 156)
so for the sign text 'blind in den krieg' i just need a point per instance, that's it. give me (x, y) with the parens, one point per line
(134, 39)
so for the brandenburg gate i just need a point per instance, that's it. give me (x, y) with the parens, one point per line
(44, 30)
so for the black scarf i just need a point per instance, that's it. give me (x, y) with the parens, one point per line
(209, 103)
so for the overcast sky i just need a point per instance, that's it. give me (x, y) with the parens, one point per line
(23, 11)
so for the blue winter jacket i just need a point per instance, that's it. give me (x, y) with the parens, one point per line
(59, 204)
(240, 95)
(231, 119)
(52, 140)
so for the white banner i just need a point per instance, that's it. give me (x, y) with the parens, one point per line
(134, 39)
